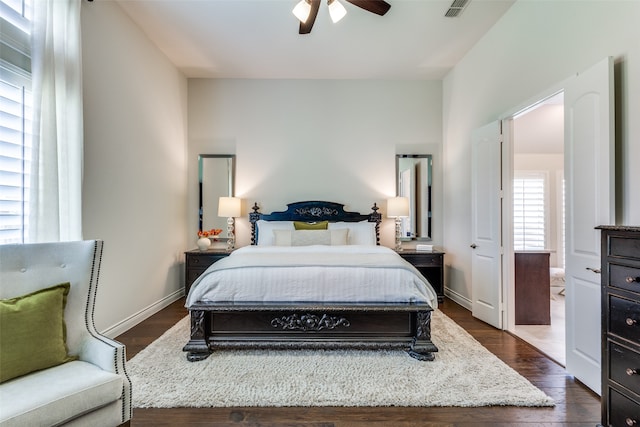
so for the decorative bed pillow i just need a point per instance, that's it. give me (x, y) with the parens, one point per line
(310, 237)
(265, 230)
(33, 332)
(299, 225)
(360, 233)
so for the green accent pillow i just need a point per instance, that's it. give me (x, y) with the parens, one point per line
(322, 225)
(33, 332)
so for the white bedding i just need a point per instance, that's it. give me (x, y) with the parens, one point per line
(350, 273)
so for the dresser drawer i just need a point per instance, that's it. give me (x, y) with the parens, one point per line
(624, 318)
(622, 410)
(624, 277)
(623, 364)
(625, 247)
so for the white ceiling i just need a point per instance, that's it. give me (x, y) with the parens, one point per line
(259, 38)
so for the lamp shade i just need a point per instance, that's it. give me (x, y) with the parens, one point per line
(336, 10)
(302, 11)
(397, 207)
(230, 207)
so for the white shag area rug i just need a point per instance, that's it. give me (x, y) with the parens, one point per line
(464, 373)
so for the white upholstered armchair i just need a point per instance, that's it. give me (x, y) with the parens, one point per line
(93, 389)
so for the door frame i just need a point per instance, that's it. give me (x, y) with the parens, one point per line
(508, 264)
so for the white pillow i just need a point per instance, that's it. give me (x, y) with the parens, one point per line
(265, 230)
(310, 237)
(360, 233)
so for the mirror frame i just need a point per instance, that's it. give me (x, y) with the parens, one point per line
(231, 164)
(429, 202)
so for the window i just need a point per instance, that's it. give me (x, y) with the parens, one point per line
(15, 119)
(529, 212)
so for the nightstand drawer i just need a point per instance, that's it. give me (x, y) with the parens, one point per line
(623, 364)
(203, 261)
(197, 262)
(193, 274)
(624, 277)
(624, 318)
(430, 265)
(424, 260)
(622, 410)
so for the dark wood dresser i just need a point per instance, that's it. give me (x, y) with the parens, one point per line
(620, 325)
(197, 261)
(431, 265)
(532, 288)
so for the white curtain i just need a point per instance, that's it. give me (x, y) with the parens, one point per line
(56, 186)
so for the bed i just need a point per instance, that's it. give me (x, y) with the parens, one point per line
(255, 297)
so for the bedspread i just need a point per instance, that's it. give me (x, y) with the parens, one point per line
(312, 274)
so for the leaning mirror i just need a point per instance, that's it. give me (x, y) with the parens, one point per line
(215, 180)
(413, 180)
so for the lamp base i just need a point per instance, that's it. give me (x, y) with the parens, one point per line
(398, 247)
(231, 237)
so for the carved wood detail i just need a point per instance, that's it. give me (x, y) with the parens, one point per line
(309, 322)
(197, 324)
(423, 325)
(314, 211)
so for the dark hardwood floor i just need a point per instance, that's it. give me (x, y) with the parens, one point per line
(575, 404)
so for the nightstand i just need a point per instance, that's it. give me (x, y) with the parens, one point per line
(431, 265)
(197, 261)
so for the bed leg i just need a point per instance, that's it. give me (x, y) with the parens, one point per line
(422, 347)
(197, 348)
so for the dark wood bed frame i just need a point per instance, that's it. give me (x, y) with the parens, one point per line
(291, 325)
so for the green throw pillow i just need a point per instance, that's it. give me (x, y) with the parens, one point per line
(322, 225)
(33, 332)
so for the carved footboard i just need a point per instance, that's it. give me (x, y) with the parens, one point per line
(286, 325)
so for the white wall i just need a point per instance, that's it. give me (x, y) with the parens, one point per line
(135, 171)
(536, 45)
(297, 140)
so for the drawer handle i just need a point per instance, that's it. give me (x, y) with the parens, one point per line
(631, 422)
(631, 372)
(631, 321)
(632, 279)
(595, 270)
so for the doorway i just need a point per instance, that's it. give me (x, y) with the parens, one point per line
(537, 230)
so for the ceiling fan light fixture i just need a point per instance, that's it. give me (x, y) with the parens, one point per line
(302, 10)
(336, 10)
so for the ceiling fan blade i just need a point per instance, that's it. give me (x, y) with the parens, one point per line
(305, 27)
(379, 7)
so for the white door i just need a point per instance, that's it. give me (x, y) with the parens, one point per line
(486, 207)
(589, 202)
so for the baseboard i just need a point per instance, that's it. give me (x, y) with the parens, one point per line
(145, 313)
(457, 298)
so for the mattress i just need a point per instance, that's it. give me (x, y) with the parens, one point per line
(317, 273)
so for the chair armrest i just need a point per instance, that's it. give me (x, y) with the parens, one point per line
(103, 352)
(110, 356)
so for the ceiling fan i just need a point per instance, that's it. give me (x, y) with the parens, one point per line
(307, 11)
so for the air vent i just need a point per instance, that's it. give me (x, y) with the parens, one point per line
(456, 8)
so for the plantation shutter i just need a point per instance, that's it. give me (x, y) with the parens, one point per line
(529, 225)
(15, 120)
